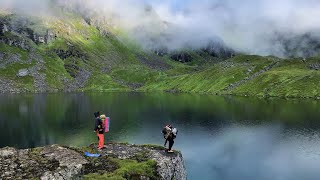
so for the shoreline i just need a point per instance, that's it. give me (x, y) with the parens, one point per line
(164, 91)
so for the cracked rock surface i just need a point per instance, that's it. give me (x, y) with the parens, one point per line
(59, 162)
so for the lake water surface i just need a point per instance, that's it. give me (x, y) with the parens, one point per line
(223, 138)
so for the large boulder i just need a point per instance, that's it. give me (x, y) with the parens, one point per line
(23, 73)
(58, 162)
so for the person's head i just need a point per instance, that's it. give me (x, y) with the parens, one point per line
(96, 114)
(103, 117)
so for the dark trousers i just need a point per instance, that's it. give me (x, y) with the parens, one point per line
(171, 142)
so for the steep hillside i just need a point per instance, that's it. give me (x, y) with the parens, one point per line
(250, 76)
(72, 53)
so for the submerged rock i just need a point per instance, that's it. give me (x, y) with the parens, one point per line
(58, 162)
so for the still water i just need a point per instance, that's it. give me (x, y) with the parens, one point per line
(223, 138)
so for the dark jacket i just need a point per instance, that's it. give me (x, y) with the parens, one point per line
(96, 124)
(99, 126)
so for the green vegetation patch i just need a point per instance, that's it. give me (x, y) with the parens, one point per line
(128, 169)
(212, 80)
(135, 74)
(103, 82)
(108, 167)
(285, 82)
(291, 78)
(20, 82)
(55, 73)
(4, 48)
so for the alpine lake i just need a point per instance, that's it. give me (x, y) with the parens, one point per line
(220, 137)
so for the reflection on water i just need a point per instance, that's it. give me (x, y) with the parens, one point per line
(220, 137)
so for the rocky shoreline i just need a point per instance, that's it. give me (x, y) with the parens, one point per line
(117, 161)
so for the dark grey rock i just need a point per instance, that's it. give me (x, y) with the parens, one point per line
(79, 82)
(181, 57)
(16, 41)
(7, 59)
(50, 36)
(8, 86)
(315, 66)
(5, 28)
(51, 162)
(1, 56)
(153, 62)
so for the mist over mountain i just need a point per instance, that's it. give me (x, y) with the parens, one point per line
(283, 28)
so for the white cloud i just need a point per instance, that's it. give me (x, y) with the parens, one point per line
(247, 25)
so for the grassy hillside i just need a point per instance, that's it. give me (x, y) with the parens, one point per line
(291, 78)
(79, 57)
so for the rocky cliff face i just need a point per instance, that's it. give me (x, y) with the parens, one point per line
(169, 166)
(57, 162)
(18, 31)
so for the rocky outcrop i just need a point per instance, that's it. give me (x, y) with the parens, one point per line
(16, 41)
(297, 44)
(34, 71)
(80, 80)
(72, 51)
(153, 62)
(169, 166)
(214, 49)
(58, 162)
(16, 31)
(181, 57)
(219, 49)
(9, 58)
(315, 66)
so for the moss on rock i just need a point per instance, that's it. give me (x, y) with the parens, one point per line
(117, 161)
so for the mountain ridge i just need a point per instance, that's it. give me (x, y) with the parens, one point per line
(73, 53)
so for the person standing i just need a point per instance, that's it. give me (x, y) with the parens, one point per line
(170, 133)
(99, 130)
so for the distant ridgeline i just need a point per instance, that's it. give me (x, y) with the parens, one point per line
(73, 52)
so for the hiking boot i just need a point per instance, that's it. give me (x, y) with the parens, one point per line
(170, 151)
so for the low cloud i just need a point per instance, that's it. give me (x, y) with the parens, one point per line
(282, 28)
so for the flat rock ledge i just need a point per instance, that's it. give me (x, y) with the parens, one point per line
(61, 162)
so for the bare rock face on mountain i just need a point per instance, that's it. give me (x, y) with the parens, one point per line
(17, 31)
(298, 45)
(219, 50)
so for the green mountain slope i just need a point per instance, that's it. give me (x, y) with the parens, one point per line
(68, 53)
